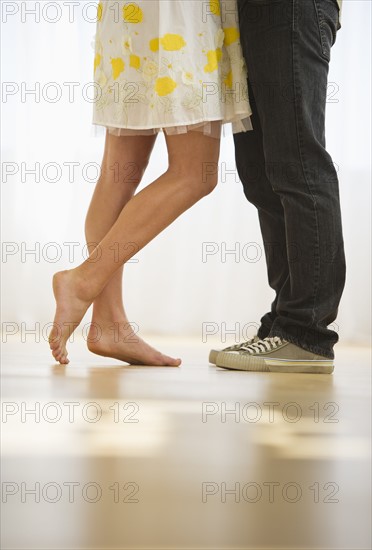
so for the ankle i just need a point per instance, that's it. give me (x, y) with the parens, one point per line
(85, 288)
(105, 315)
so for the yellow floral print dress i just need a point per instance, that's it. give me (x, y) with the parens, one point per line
(171, 65)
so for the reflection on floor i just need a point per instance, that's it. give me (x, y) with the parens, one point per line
(103, 455)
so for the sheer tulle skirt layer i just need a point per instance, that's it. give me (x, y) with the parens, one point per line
(210, 128)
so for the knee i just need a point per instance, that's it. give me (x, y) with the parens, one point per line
(208, 184)
(199, 180)
(253, 195)
(257, 186)
(255, 192)
(201, 185)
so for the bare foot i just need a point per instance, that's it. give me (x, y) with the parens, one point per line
(70, 310)
(118, 340)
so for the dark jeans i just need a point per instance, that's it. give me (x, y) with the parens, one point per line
(285, 169)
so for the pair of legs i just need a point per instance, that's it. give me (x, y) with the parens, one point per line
(285, 168)
(119, 223)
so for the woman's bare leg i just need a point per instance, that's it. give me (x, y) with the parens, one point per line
(192, 174)
(111, 334)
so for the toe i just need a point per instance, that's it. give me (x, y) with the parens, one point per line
(171, 361)
(56, 354)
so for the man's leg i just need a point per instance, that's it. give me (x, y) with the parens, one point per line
(287, 47)
(250, 162)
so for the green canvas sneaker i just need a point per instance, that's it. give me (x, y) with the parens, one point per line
(274, 354)
(236, 347)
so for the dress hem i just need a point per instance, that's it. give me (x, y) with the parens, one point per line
(211, 128)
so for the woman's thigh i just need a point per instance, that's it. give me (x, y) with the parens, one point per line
(125, 158)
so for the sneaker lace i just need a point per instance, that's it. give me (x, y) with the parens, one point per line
(242, 345)
(267, 344)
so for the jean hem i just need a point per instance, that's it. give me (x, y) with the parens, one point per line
(329, 354)
(263, 333)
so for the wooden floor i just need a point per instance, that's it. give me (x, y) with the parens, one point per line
(192, 457)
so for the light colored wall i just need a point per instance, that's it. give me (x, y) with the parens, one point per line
(170, 289)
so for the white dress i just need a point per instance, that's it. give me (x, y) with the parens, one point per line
(172, 65)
